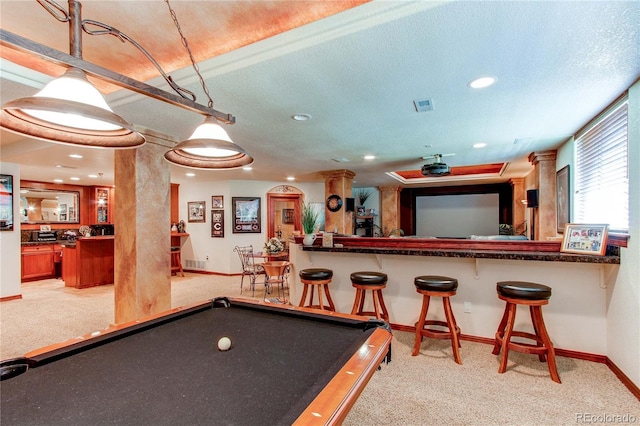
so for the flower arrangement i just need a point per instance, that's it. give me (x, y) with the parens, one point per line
(274, 245)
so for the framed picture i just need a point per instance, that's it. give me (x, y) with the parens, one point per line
(246, 215)
(287, 215)
(217, 223)
(585, 239)
(6, 203)
(217, 202)
(563, 212)
(195, 210)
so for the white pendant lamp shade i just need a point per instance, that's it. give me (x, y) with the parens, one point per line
(209, 147)
(70, 110)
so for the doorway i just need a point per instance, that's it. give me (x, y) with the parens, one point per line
(283, 213)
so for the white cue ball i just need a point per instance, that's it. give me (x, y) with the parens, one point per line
(224, 343)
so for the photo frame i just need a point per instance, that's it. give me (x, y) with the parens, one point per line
(195, 211)
(246, 215)
(6, 203)
(288, 215)
(563, 196)
(585, 239)
(217, 202)
(217, 223)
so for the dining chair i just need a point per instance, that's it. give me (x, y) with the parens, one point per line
(249, 267)
(276, 276)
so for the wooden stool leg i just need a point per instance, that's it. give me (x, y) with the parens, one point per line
(420, 324)
(536, 331)
(511, 308)
(500, 332)
(385, 313)
(453, 328)
(328, 295)
(376, 306)
(356, 302)
(538, 322)
(363, 296)
(320, 299)
(304, 294)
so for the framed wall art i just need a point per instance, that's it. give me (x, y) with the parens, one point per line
(6, 203)
(246, 215)
(585, 239)
(195, 211)
(217, 223)
(563, 212)
(288, 215)
(217, 202)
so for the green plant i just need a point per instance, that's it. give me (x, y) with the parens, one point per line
(362, 194)
(310, 217)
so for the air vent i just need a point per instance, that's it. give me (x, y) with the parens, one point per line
(423, 105)
(341, 160)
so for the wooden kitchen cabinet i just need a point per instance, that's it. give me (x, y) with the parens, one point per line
(37, 262)
(88, 263)
(102, 205)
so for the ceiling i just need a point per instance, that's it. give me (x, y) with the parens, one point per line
(356, 68)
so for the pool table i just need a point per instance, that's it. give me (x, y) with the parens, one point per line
(286, 365)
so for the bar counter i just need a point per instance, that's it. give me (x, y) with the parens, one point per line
(575, 317)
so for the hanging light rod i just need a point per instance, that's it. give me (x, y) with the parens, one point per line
(21, 44)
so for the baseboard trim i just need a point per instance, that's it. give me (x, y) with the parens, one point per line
(602, 359)
(6, 299)
(197, 271)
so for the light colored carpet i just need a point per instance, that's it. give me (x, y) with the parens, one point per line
(429, 389)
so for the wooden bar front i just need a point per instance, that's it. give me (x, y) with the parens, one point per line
(89, 263)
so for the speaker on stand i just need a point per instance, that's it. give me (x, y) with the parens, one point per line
(532, 202)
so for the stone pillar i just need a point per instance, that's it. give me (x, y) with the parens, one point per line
(518, 207)
(338, 182)
(389, 208)
(142, 231)
(545, 169)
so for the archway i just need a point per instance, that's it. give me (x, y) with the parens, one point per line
(283, 212)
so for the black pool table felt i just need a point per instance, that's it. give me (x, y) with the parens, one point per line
(174, 374)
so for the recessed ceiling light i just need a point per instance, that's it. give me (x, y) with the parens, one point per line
(58, 180)
(93, 176)
(75, 155)
(248, 168)
(482, 82)
(479, 145)
(369, 157)
(301, 117)
(291, 178)
(74, 178)
(190, 174)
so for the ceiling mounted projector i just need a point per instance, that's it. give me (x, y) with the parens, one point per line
(437, 168)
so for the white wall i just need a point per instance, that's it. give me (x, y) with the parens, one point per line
(200, 244)
(10, 240)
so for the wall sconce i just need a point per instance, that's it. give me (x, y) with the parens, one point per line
(63, 111)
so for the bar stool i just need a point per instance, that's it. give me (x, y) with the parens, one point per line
(176, 263)
(444, 287)
(535, 296)
(316, 278)
(374, 281)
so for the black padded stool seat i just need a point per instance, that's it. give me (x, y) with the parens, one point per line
(535, 296)
(316, 278)
(375, 282)
(435, 283)
(444, 287)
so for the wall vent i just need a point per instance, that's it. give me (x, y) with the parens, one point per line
(194, 264)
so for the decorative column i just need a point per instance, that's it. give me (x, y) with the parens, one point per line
(340, 183)
(142, 230)
(389, 208)
(545, 169)
(518, 207)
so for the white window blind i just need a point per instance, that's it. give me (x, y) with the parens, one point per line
(602, 172)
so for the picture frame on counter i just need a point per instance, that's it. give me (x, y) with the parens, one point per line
(246, 215)
(217, 202)
(217, 223)
(195, 210)
(585, 239)
(6, 203)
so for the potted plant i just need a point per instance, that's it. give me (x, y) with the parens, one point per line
(310, 217)
(362, 194)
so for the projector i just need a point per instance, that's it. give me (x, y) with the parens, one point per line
(436, 169)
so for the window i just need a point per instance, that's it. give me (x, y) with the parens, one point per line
(602, 172)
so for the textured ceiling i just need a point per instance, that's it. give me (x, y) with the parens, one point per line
(356, 69)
